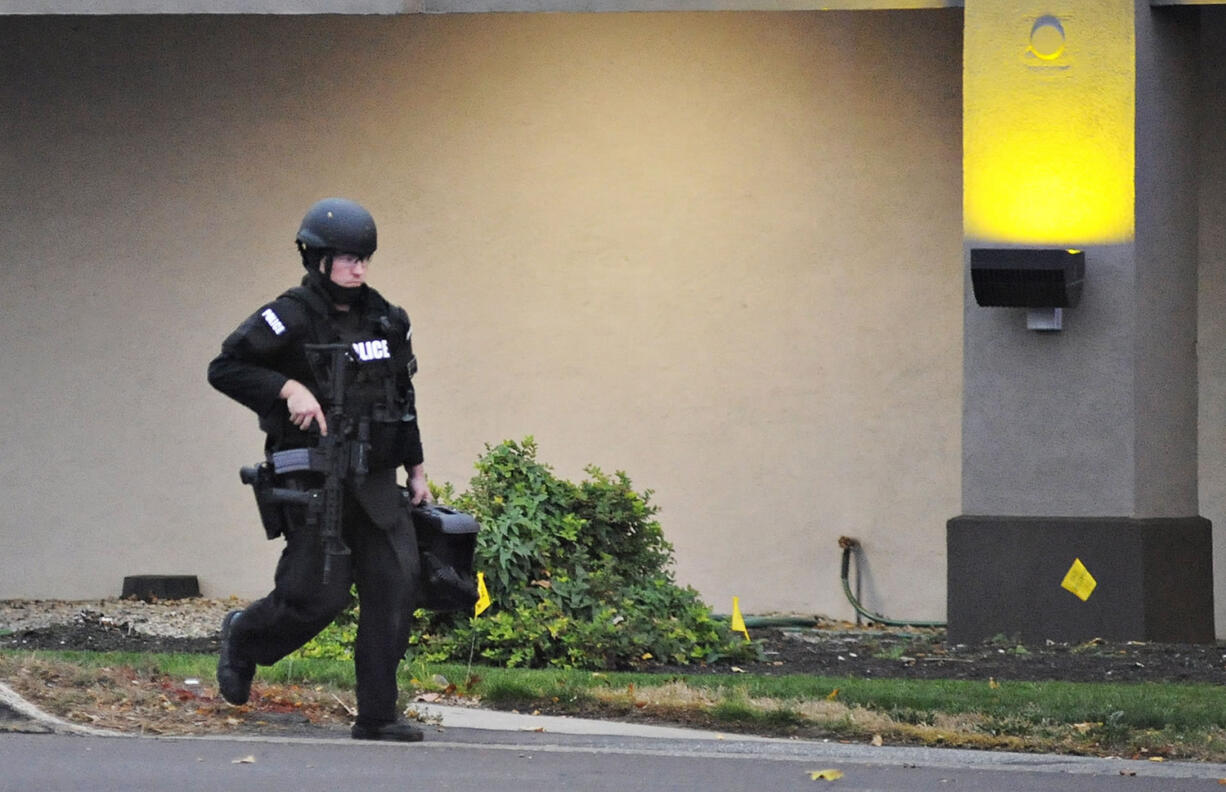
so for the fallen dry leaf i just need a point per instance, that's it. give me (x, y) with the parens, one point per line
(825, 775)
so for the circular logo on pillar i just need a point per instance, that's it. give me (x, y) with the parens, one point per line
(1047, 38)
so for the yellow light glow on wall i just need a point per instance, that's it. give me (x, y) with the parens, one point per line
(1048, 122)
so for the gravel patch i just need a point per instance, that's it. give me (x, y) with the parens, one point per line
(196, 617)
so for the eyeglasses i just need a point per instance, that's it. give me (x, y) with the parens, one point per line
(349, 260)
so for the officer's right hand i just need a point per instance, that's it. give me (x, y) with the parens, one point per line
(303, 406)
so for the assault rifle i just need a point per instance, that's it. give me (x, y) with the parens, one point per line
(339, 455)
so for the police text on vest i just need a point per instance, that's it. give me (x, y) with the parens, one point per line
(372, 350)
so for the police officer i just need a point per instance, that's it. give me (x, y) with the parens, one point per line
(264, 365)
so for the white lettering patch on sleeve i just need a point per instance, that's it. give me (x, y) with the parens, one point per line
(273, 320)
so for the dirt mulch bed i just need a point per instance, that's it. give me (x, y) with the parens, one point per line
(924, 654)
(95, 637)
(827, 648)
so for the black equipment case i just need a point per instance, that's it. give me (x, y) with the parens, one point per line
(446, 541)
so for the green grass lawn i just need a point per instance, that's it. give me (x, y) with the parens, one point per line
(1158, 720)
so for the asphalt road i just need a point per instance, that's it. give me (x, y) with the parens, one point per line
(479, 760)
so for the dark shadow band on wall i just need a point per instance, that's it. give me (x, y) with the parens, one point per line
(1152, 579)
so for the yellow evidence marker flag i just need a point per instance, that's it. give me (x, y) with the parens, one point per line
(483, 595)
(1079, 581)
(738, 621)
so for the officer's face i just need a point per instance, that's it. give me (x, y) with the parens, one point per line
(348, 270)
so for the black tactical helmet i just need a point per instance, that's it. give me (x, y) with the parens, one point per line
(339, 225)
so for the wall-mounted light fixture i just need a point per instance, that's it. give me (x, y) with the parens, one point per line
(1044, 280)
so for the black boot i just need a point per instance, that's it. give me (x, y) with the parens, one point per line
(233, 673)
(396, 731)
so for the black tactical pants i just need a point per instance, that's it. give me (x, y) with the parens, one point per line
(384, 565)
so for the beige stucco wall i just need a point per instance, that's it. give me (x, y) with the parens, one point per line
(719, 251)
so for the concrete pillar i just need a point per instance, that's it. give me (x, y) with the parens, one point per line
(1080, 444)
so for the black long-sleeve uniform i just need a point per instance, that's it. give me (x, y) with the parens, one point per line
(256, 361)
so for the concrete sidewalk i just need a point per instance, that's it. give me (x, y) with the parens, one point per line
(476, 718)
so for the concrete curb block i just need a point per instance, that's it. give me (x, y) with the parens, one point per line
(499, 720)
(10, 699)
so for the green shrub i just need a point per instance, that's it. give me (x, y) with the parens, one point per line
(579, 575)
(336, 640)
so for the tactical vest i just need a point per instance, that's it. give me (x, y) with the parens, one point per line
(381, 386)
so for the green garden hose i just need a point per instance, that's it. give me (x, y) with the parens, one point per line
(850, 545)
